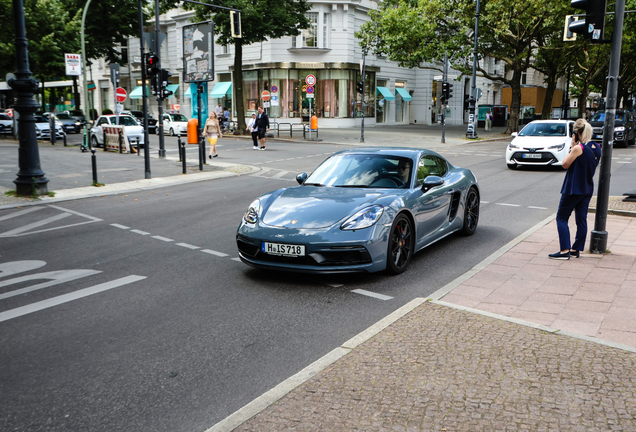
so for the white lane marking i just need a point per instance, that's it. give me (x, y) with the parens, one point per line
(57, 277)
(186, 245)
(509, 205)
(623, 162)
(140, 232)
(120, 226)
(93, 218)
(484, 202)
(166, 239)
(237, 259)
(335, 285)
(480, 154)
(20, 213)
(213, 252)
(280, 174)
(540, 208)
(372, 294)
(55, 301)
(35, 224)
(14, 267)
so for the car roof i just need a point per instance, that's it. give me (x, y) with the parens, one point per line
(409, 152)
(551, 121)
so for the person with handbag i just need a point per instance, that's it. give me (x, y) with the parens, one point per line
(262, 122)
(212, 132)
(577, 190)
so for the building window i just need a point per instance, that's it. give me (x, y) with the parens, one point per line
(524, 78)
(225, 49)
(310, 35)
(326, 25)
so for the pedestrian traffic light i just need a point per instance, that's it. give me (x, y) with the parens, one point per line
(444, 91)
(593, 25)
(235, 23)
(360, 87)
(154, 87)
(449, 91)
(152, 64)
(164, 81)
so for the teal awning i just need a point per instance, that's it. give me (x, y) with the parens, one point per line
(405, 95)
(221, 89)
(385, 92)
(188, 93)
(173, 88)
(137, 93)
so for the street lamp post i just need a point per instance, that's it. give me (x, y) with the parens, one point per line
(162, 147)
(30, 178)
(472, 121)
(84, 79)
(144, 96)
(362, 71)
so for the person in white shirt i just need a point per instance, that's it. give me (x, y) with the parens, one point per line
(254, 130)
(219, 110)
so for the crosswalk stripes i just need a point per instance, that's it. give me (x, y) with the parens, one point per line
(45, 217)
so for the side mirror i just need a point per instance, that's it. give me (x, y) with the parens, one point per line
(514, 134)
(431, 182)
(300, 178)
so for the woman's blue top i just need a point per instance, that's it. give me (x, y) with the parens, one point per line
(579, 178)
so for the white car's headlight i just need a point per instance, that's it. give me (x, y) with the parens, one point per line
(364, 218)
(512, 146)
(557, 147)
(619, 129)
(253, 212)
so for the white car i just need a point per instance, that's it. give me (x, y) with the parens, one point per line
(134, 132)
(175, 124)
(6, 123)
(540, 142)
(42, 128)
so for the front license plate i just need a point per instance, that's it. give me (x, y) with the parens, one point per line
(532, 156)
(598, 136)
(283, 249)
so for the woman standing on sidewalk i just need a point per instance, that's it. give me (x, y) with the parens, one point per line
(254, 131)
(577, 190)
(212, 133)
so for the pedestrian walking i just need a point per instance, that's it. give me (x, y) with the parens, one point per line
(262, 122)
(212, 132)
(577, 190)
(254, 131)
(488, 121)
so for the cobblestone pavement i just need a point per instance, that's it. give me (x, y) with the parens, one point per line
(443, 369)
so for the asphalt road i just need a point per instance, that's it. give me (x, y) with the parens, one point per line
(182, 334)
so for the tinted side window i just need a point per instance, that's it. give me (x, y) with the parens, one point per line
(430, 165)
(102, 121)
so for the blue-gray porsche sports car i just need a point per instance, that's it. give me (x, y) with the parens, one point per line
(361, 210)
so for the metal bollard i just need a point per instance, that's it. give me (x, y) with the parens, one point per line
(64, 140)
(94, 161)
(104, 140)
(120, 139)
(183, 158)
(179, 146)
(138, 153)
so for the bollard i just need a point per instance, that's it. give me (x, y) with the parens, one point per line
(183, 158)
(138, 147)
(179, 146)
(64, 138)
(94, 161)
(104, 140)
(120, 138)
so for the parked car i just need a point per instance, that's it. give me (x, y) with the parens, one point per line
(9, 112)
(6, 124)
(134, 132)
(43, 129)
(361, 210)
(540, 142)
(624, 128)
(152, 122)
(69, 124)
(77, 115)
(175, 124)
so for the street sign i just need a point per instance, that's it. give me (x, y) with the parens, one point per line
(310, 95)
(310, 89)
(121, 94)
(274, 100)
(274, 89)
(73, 64)
(265, 95)
(310, 80)
(265, 104)
(90, 85)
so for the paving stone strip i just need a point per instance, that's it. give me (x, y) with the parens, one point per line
(444, 369)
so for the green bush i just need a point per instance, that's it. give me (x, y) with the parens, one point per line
(107, 111)
(93, 114)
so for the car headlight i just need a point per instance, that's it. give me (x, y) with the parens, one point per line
(364, 218)
(253, 212)
(512, 146)
(77, 123)
(557, 147)
(619, 129)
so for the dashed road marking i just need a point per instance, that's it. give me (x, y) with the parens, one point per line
(189, 246)
(213, 252)
(140, 232)
(508, 205)
(540, 208)
(237, 259)
(372, 294)
(165, 239)
(120, 226)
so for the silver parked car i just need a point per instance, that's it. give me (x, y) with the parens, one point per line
(42, 128)
(134, 132)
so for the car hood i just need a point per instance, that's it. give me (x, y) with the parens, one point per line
(42, 126)
(539, 142)
(597, 124)
(312, 207)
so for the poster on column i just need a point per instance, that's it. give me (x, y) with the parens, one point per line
(198, 52)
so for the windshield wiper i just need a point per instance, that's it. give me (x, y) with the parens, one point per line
(312, 184)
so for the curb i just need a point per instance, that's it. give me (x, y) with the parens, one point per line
(625, 213)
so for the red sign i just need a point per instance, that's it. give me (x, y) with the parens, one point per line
(310, 80)
(121, 94)
(310, 89)
(265, 95)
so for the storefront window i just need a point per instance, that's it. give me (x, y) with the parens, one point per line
(369, 95)
(251, 94)
(382, 104)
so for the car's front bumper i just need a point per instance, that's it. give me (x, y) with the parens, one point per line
(542, 157)
(329, 250)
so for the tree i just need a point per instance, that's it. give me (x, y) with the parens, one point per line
(553, 59)
(260, 21)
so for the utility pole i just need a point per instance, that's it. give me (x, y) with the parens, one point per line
(31, 178)
(472, 118)
(598, 238)
(162, 146)
(443, 99)
(362, 71)
(144, 89)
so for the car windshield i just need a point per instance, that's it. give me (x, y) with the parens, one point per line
(64, 117)
(77, 113)
(543, 129)
(127, 121)
(362, 171)
(41, 119)
(600, 117)
(179, 117)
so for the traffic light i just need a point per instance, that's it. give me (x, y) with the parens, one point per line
(594, 23)
(444, 91)
(152, 64)
(449, 91)
(154, 85)
(235, 23)
(164, 81)
(360, 87)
